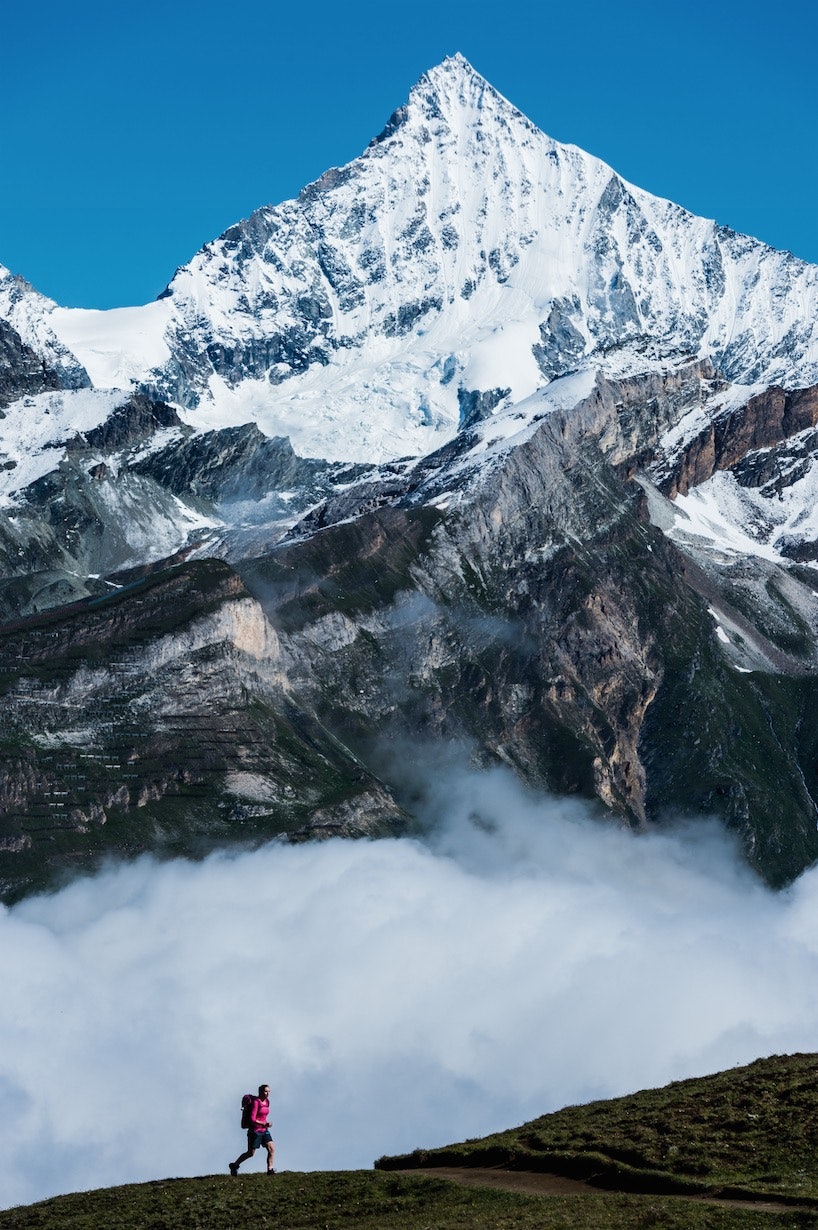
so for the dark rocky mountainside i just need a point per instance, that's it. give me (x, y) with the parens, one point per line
(22, 371)
(527, 607)
(156, 719)
(543, 619)
(396, 496)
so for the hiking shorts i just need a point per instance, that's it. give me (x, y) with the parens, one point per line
(256, 1139)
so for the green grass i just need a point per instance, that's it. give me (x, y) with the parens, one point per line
(750, 1132)
(752, 1129)
(371, 1201)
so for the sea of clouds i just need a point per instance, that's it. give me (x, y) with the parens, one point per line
(394, 993)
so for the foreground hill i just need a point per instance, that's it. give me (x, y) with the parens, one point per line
(731, 1151)
(376, 1201)
(751, 1131)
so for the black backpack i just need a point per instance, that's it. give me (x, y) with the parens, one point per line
(247, 1109)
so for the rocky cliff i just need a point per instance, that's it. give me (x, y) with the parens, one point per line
(533, 609)
(158, 719)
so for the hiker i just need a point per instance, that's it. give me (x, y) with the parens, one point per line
(258, 1131)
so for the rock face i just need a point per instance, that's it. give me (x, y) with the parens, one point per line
(22, 371)
(158, 719)
(534, 612)
(770, 418)
(471, 444)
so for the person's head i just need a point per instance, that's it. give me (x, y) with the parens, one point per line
(264, 1091)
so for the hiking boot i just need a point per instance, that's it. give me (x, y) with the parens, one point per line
(233, 1168)
(271, 1172)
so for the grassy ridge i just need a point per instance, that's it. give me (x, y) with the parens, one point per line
(749, 1130)
(372, 1201)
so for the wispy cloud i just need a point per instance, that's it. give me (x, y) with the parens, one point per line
(393, 993)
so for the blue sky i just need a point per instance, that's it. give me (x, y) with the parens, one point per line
(134, 133)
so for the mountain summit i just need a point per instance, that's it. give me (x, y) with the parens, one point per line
(472, 442)
(463, 252)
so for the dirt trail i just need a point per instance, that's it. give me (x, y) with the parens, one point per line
(536, 1183)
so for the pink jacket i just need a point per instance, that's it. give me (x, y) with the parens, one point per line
(258, 1114)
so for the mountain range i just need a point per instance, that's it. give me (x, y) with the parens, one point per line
(472, 446)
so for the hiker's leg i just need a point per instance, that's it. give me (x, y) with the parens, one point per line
(270, 1155)
(248, 1153)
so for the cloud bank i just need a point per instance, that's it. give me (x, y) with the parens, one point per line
(393, 993)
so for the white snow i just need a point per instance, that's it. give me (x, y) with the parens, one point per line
(34, 431)
(362, 411)
(429, 264)
(515, 424)
(720, 633)
(715, 515)
(728, 519)
(505, 359)
(117, 347)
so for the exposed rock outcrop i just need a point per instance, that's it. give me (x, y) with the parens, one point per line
(159, 719)
(22, 371)
(540, 617)
(767, 419)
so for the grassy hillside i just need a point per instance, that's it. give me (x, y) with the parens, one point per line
(373, 1201)
(752, 1129)
(749, 1132)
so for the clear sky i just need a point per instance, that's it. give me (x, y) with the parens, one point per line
(134, 132)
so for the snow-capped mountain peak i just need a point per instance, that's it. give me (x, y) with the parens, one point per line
(453, 93)
(464, 260)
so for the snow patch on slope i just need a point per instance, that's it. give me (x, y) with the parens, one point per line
(29, 313)
(35, 430)
(728, 519)
(116, 347)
